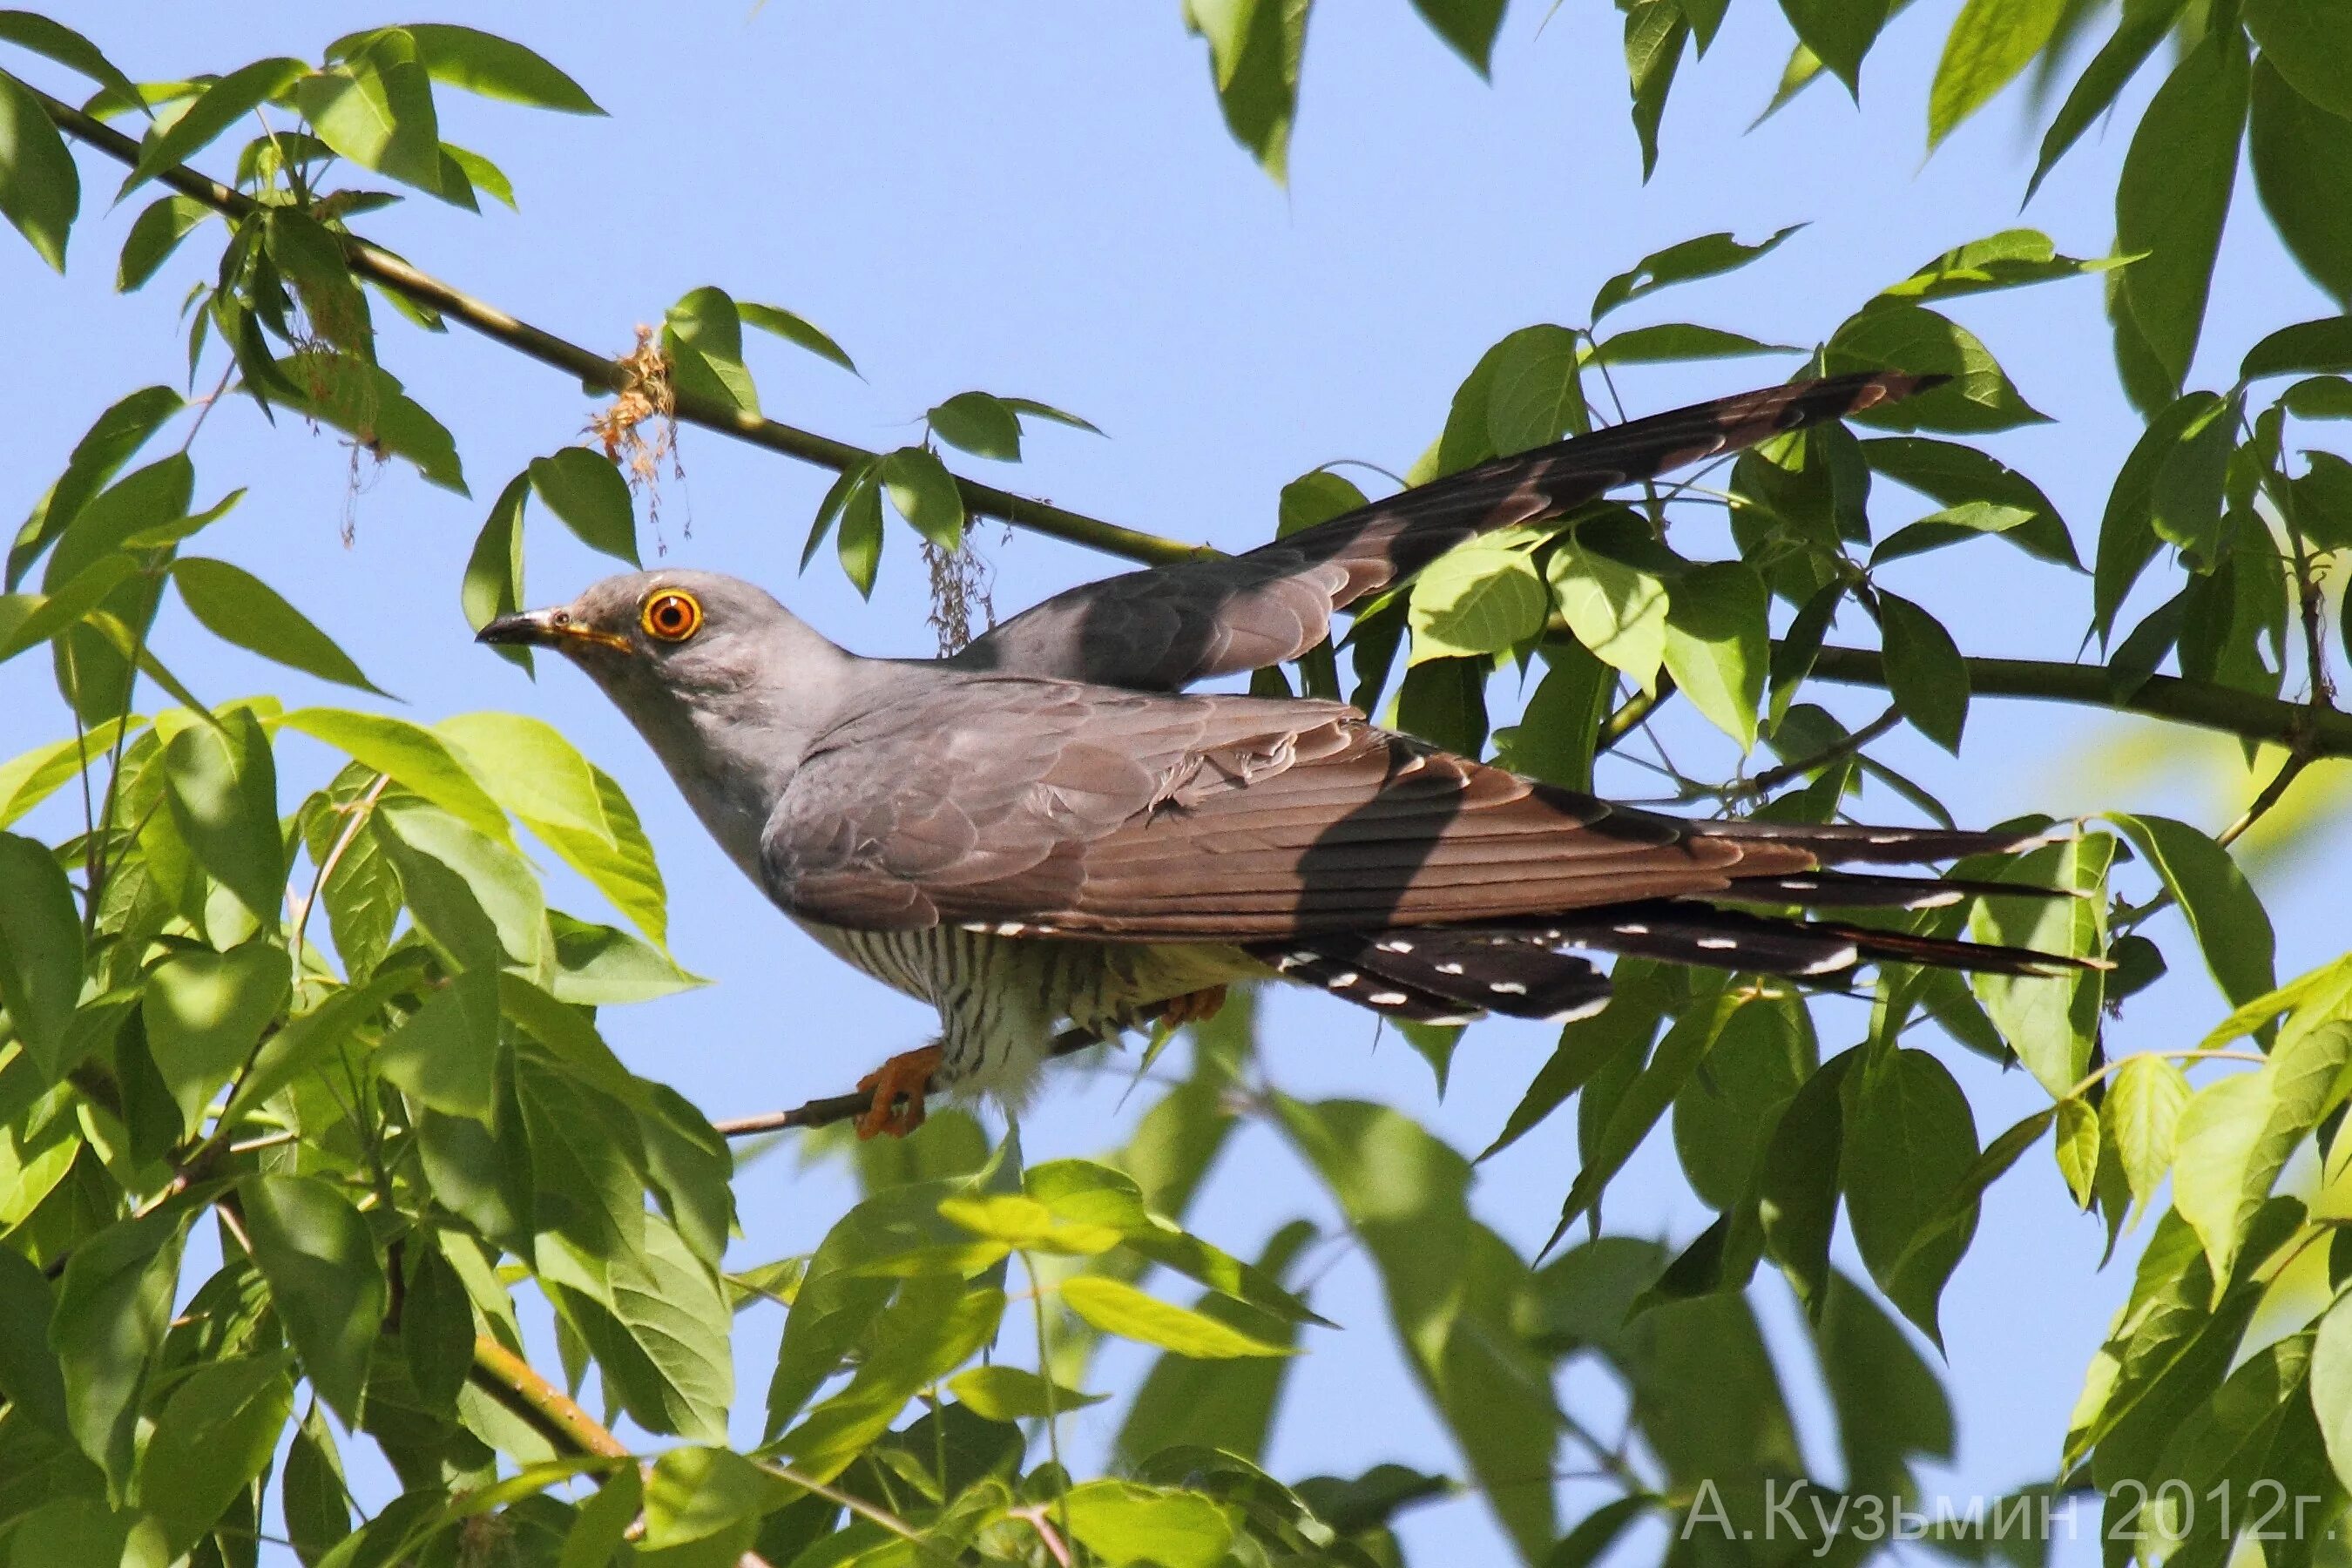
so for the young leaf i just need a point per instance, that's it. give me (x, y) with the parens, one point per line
(96, 457)
(224, 795)
(1315, 496)
(1718, 642)
(591, 498)
(1670, 341)
(1254, 51)
(979, 424)
(1990, 42)
(41, 190)
(2235, 1134)
(860, 542)
(2300, 150)
(376, 110)
(2077, 1149)
(925, 494)
(2172, 197)
(1535, 396)
(416, 758)
(205, 1012)
(315, 1252)
(703, 337)
(1010, 1393)
(1117, 1308)
(1706, 256)
(2143, 1113)
(1925, 673)
(1655, 32)
(221, 103)
(488, 65)
(2010, 259)
(793, 329)
(2228, 920)
(241, 609)
(493, 582)
(2049, 1021)
(1477, 599)
(1616, 610)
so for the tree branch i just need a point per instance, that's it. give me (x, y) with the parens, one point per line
(2323, 732)
(508, 1379)
(381, 267)
(849, 1107)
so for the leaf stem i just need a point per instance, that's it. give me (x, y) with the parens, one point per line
(2197, 1054)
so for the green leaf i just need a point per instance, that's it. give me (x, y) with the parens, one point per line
(2310, 42)
(481, 172)
(1655, 32)
(1718, 644)
(1709, 256)
(30, 1377)
(2144, 25)
(2331, 1385)
(2127, 541)
(485, 64)
(2227, 919)
(588, 495)
(1613, 609)
(68, 49)
(925, 494)
(1896, 335)
(313, 1497)
(1254, 49)
(1218, 1404)
(205, 1012)
(314, 260)
(97, 456)
(1555, 736)
(793, 329)
(703, 337)
(2172, 197)
(1671, 342)
(377, 109)
(1022, 1224)
(1120, 1522)
(1534, 396)
(40, 949)
(598, 964)
(2077, 1149)
(223, 102)
(315, 1252)
(859, 543)
(2300, 151)
(1908, 1146)
(1838, 32)
(693, 1494)
(1646, 1097)
(1030, 408)
(1477, 598)
(1925, 674)
(2184, 499)
(212, 1438)
(933, 1328)
(446, 1053)
(673, 1373)
(2050, 1021)
(493, 582)
(1468, 26)
(40, 191)
(1315, 496)
(1891, 1407)
(473, 896)
(1117, 1308)
(979, 424)
(114, 1305)
(2142, 1111)
(224, 796)
(2306, 347)
(1009, 1393)
(415, 757)
(365, 402)
(2235, 1134)
(104, 523)
(1960, 477)
(242, 610)
(1990, 42)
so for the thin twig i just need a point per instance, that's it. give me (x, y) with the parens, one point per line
(849, 1107)
(1771, 779)
(359, 810)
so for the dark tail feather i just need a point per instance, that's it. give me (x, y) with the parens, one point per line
(1685, 933)
(1857, 891)
(1841, 843)
(1447, 974)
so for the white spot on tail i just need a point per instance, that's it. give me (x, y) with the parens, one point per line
(1396, 944)
(1506, 988)
(1836, 960)
(1388, 999)
(1630, 929)
(1719, 943)
(1582, 1010)
(1343, 981)
(1449, 969)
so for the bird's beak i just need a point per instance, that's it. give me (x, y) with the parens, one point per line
(557, 629)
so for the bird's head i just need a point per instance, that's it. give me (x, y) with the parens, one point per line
(687, 634)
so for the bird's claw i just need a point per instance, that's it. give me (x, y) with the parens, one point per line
(1194, 1007)
(898, 1085)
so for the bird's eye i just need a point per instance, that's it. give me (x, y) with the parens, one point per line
(671, 615)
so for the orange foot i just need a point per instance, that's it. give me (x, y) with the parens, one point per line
(903, 1080)
(1194, 1007)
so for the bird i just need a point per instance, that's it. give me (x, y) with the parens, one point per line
(1044, 828)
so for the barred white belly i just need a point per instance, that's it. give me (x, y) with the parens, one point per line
(1001, 999)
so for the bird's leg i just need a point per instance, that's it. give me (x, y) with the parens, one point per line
(905, 1077)
(1194, 1007)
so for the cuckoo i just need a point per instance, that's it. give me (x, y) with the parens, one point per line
(1044, 829)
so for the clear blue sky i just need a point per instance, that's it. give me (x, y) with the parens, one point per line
(1039, 199)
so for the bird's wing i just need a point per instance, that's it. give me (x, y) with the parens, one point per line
(1163, 628)
(1055, 808)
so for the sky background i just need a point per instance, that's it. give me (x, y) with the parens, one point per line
(1039, 199)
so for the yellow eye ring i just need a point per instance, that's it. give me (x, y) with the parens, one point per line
(671, 615)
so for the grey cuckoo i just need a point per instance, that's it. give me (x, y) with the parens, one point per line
(1043, 829)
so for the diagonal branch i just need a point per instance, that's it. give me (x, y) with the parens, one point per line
(2321, 730)
(381, 266)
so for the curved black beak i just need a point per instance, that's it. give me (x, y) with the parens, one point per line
(531, 629)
